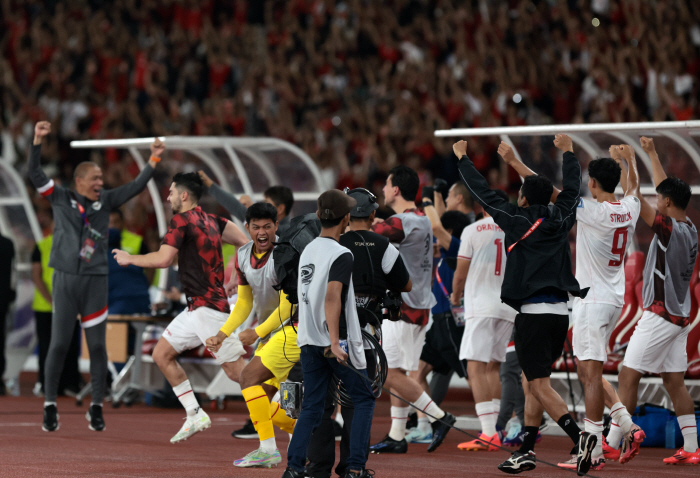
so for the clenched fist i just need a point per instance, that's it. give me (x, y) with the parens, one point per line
(157, 148)
(41, 129)
(647, 145)
(626, 151)
(506, 152)
(460, 149)
(563, 143)
(205, 179)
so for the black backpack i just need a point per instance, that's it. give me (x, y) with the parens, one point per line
(302, 230)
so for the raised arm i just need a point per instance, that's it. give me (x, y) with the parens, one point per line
(656, 169)
(118, 196)
(39, 179)
(438, 231)
(226, 199)
(568, 198)
(647, 211)
(511, 160)
(629, 179)
(160, 259)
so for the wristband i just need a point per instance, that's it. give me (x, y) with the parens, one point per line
(155, 159)
(428, 203)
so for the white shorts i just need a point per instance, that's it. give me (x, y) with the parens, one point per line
(657, 346)
(403, 344)
(485, 339)
(191, 329)
(593, 326)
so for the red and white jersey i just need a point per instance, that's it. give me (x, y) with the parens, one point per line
(603, 234)
(482, 244)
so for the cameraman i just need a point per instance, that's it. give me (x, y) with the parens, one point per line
(377, 267)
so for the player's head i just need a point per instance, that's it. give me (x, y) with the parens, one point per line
(261, 223)
(185, 191)
(116, 219)
(402, 183)
(334, 208)
(281, 197)
(535, 191)
(88, 180)
(672, 193)
(603, 176)
(458, 198)
(454, 222)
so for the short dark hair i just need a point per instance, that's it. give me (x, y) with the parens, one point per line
(190, 182)
(281, 195)
(676, 190)
(606, 172)
(261, 210)
(328, 223)
(502, 194)
(455, 221)
(467, 200)
(406, 180)
(537, 190)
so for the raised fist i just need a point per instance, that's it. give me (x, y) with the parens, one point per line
(460, 149)
(506, 152)
(205, 179)
(42, 128)
(157, 148)
(626, 151)
(563, 143)
(647, 145)
(615, 152)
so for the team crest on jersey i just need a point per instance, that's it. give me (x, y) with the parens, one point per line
(307, 273)
(97, 205)
(580, 203)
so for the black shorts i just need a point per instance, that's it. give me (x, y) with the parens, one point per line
(441, 349)
(539, 342)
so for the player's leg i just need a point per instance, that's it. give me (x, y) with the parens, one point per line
(423, 433)
(280, 355)
(66, 309)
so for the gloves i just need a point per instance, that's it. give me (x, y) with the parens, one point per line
(427, 192)
(442, 187)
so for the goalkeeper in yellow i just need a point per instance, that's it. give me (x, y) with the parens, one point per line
(278, 351)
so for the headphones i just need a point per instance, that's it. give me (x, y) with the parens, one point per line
(370, 194)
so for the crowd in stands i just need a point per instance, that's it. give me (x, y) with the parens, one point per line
(359, 85)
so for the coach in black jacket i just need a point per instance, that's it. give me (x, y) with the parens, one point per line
(537, 281)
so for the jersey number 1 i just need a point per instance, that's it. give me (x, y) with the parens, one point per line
(617, 248)
(499, 255)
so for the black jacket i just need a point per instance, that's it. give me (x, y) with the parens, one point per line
(540, 263)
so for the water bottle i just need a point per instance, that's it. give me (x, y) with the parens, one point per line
(671, 433)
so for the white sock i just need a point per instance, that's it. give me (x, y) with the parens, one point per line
(595, 428)
(186, 396)
(424, 425)
(614, 435)
(339, 419)
(496, 406)
(426, 405)
(46, 404)
(620, 414)
(486, 415)
(399, 417)
(268, 445)
(689, 430)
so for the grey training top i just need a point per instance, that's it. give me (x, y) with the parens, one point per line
(70, 233)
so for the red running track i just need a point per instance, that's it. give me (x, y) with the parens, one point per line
(136, 444)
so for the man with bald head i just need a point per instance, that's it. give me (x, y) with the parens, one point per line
(79, 258)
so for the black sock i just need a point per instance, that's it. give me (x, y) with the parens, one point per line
(568, 424)
(529, 439)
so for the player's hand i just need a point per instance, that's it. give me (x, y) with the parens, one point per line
(157, 148)
(454, 300)
(339, 353)
(626, 151)
(507, 153)
(205, 179)
(246, 200)
(41, 129)
(123, 258)
(232, 286)
(563, 143)
(441, 186)
(248, 337)
(214, 343)
(647, 145)
(460, 149)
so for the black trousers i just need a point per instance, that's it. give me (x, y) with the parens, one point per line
(70, 377)
(4, 307)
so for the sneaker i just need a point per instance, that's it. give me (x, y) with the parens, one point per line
(484, 443)
(259, 459)
(518, 462)
(248, 431)
(440, 430)
(597, 463)
(50, 419)
(292, 473)
(363, 474)
(683, 457)
(415, 435)
(609, 452)
(38, 390)
(389, 445)
(586, 444)
(194, 424)
(630, 443)
(94, 416)
(337, 431)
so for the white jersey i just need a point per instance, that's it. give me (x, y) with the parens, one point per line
(482, 244)
(603, 234)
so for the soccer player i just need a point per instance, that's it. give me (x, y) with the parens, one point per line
(605, 228)
(195, 237)
(536, 282)
(403, 339)
(481, 264)
(278, 351)
(658, 344)
(79, 257)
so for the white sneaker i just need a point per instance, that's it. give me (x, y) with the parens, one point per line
(415, 435)
(192, 425)
(259, 459)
